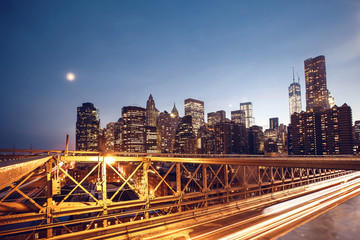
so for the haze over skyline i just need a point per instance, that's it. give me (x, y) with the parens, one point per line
(221, 52)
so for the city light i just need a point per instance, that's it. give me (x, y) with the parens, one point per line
(109, 160)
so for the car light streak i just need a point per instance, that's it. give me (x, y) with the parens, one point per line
(294, 215)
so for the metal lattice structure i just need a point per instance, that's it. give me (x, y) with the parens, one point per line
(68, 194)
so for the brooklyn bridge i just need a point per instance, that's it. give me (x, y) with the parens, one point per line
(94, 195)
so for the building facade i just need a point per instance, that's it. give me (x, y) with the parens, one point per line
(256, 140)
(184, 133)
(166, 128)
(295, 96)
(195, 109)
(151, 112)
(317, 95)
(216, 117)
(248, 110)
(274, 123)
(150, 139)
(87, 128)
(109, 135)
(238, 117)
(325, 132)
(133, 135)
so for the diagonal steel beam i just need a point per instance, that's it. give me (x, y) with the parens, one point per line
(77, 183)
(163, 178)
(126, 181)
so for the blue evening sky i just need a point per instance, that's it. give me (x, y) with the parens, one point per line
(221, 52)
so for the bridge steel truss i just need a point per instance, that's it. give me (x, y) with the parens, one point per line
(55, 199)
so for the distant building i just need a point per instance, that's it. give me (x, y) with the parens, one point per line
(248, 110)
(151, 112)
(324, 132)
(87, 128)
(356, 134)
(174, 112)
(207, 136)
(150, 139)
(216, 117)
(275, 140)
(357, 130)
(109, 135)
(238, 117)
(102, 140)
(317, 95)
(133, 135)
(271, 138)
(224, 137)
(166, 129)
(195, 109)
(295, 96)
(274, 123)
(118, 136)
(184, 132)
(256, 140)
(331, 100)
(230, 138)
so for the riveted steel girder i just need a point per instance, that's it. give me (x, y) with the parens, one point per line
(12, 171)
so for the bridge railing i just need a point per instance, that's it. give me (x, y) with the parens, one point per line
(80, 192)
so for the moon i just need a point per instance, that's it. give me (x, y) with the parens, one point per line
(70, 77)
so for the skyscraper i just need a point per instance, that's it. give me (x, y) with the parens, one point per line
(87, 128)
(256, 140)
(274, 123)
(357, 131)
(224, 137)
(195, 109)
(238, 117)
(151, 112)
(295, 96)
(216, 117)
(323, 132)
(184, 133)
(248, 110)
(110, 136)
(317, 95)
(174, 112)
(331, 100)
(166, 127)
(133, 135)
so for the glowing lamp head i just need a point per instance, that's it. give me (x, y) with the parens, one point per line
(109, 160)
(70, 77)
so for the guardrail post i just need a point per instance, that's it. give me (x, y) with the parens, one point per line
(259, 180)
(205, 186)
(283, 178)
(49, 197)
(178, 185)
(244, 181)
(145, 181)
(272, 178)
(226, 178)
(104, 191)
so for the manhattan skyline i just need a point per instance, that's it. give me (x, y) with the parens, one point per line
(222, 53)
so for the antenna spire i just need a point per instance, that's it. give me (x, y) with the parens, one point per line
(293, 74)
(298, 78)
